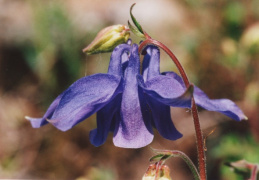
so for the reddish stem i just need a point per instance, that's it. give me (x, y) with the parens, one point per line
(254, 172)
(199, 136)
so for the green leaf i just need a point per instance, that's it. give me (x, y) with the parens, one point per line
(156, 158)
(134, 20)
(136, 31)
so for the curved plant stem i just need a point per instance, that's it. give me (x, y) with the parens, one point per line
(188, 162)
(199, 136)
(164, 155)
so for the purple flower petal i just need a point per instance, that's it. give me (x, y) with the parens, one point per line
(167, 91)
(132, 131)
(38, 122)
(85, 97)
(118, 57)
(162, 120)
(104, 121)
(150, 66)
(224, 106)
(164, 89)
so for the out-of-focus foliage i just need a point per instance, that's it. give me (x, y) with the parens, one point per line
(244, 168)
(53, 52)
(98, 174)
(234, 147)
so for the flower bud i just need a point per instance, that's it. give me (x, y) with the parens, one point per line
(162, 174)
(150, 173)
(107, 39)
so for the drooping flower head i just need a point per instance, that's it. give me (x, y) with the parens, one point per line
(127, 102)
(118, 100)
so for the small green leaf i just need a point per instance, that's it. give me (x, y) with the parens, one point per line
(156, 158)
(160, 158)
(136, 31)
(134, 20)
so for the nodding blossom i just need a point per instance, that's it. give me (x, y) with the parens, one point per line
(128, 102)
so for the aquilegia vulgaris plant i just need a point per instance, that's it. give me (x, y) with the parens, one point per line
(129, 100)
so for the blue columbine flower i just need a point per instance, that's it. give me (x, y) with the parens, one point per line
(133, 127)
(152, 81)
(127, 103)
(119, 102)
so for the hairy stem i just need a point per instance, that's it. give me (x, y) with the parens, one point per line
(188, 162)
(198, 132)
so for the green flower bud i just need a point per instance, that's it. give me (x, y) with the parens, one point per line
(107, 39)
(162, 174)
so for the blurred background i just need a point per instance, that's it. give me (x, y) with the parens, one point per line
(41, 46)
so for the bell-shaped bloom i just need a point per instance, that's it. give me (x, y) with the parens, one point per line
(127, 103)
(123, 115)
(134, 123)
(120, 104)
(169, 83)
(129, 115)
